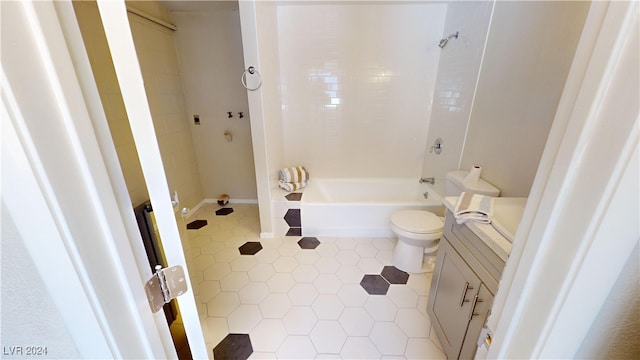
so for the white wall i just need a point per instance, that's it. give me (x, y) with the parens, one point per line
(456, 83)
(29, 316)
(209, 48)
(616, 330)
(356, 84)
(156, 52)
(157, 56)
(564, 262)
(527, 58)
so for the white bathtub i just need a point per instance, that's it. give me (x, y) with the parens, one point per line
(361, 207)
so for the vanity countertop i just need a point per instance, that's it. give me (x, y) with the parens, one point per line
(499, 234)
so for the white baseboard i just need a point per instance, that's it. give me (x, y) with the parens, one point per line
(215, 201)
(195, 208)
(233, 201)
(243, 201)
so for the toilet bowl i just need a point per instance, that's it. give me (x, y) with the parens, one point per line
(419, 231)
(418, 234)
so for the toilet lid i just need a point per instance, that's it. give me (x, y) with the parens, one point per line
(417, 221)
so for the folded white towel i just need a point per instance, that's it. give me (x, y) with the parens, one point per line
(295, 174)
(292, 186)
(474, 207)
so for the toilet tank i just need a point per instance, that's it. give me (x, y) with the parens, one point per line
(455, 184)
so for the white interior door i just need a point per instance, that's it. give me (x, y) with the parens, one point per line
(66, 195)
(125, 60)
(58, 192)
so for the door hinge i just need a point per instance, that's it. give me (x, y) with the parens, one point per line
(164, 286)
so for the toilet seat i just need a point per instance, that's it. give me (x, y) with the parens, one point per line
(419, 222)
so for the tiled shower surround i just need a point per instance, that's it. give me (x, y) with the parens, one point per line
(456, 83)
(294, 297)
(355, 84)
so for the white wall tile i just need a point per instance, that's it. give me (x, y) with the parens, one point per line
(355, 85)
(456, 83)
(154, 44)
(156, 53)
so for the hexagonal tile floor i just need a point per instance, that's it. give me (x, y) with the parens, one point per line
(375, 284)
(250, 248)
(309, 243)
(234, 346)
(224, 211)
(292, 217)
(294, 196)
(304, 298)
(196, 224)
(296, 231)
(394, 275)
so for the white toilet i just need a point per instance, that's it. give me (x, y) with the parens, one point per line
(419, 231)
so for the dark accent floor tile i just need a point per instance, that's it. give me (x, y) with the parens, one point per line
(292, 217)
(224, 211)
(250, 248)
(294, 232)
(309, 243)
(394, 275)
(294, 196)
(234, 346)
(375, 284)
(196, 224)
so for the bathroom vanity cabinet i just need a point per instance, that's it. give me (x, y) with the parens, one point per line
(464, 281)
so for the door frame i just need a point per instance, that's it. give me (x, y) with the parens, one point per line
(60, 166)
(54, 171)
(580, 225)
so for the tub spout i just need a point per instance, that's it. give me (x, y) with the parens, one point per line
(428, 180)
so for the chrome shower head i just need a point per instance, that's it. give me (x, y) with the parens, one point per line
(444, 41)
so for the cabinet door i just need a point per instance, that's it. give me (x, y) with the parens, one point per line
(480, 307)
(453, 288)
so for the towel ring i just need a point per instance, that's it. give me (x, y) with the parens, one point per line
(251, 70)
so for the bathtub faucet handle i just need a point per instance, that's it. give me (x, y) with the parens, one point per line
(429, 180)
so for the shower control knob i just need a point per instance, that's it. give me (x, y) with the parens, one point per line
(437, 146)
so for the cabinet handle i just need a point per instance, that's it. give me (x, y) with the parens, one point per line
(473, 308)
(467, 287)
